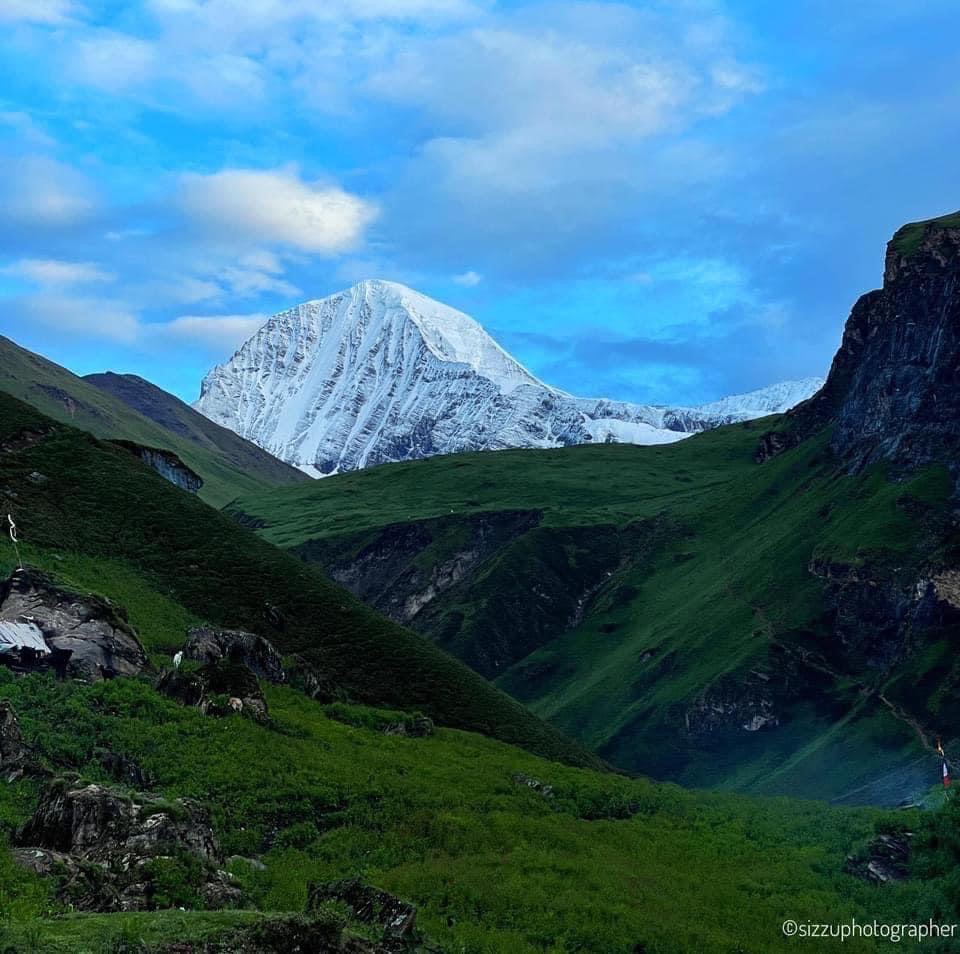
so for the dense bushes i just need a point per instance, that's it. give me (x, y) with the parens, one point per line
(602, 864)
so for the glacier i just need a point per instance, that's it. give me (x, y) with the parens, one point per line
(380, 373)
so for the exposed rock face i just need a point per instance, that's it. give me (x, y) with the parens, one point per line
(101, 643)
(876, 614)
(438, 576)
(105, 843)
(167, 464)
(99, 820)
(534, 784)
(218, 689)
(312, 681)
(122, 768)
(387, 574)
(892, 389)
(416, 727)
(748, 706)
(369, 905)
(209, 645)
(886, 859)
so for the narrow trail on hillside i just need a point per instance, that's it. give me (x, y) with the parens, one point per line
(905, 716)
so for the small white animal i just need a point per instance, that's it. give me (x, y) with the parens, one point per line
(236, 704)
(177, 659)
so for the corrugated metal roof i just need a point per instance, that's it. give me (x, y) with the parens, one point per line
(14, 636)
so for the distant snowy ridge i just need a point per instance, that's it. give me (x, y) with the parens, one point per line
(382, 373)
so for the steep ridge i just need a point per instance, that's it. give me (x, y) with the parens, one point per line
(382, 373)
(179, 418)
(893, 387)
(227, 464)
(69, 492)
(788, 626)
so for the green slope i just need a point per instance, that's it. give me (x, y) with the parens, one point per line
(226, 468)
(706, 596)
(604, 865)
(183, 421)
(98, 501)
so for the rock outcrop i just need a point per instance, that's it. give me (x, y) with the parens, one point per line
(892, 389)
(369, 905)
(321, 933)
(310, 679)
(746, 703)
(167, 464)
(876, 615)
(94, 632)
(208, 644)
(106, 846)
(534, 784)
(885, 859)
(218, 689)
(415, 727)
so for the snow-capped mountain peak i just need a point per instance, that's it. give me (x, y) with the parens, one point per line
(450, 334)
(380, 372)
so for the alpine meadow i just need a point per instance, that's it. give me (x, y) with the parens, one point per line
(442, 507)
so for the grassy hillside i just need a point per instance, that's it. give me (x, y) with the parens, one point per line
(707, 602)
(907, 238)
(71, 494)
(604, 864)
(228, 466)
(597, 863)
(182, 420)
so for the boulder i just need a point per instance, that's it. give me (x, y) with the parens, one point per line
(541, 788)
(221, 688)
(416, 727)
(94, 632)
(885, 859)
(96, 821)
(369, 905)
(122, 768)
(207, 644)
(104, 845)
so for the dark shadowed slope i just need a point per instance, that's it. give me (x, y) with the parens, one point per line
(179, 418)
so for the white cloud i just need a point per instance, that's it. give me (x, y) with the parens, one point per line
(179, 290)
(113, 61)
(51, 12)
(35, 190)
(275, 206)
(25, 128)
(116, 322)
(520, 107)
(90, 317)
(252, 281)
(220, 333)
(47, 271)
(468, 279)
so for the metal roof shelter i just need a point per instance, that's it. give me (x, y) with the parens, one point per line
(17, 636)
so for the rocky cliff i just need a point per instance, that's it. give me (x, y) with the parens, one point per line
(892, 392)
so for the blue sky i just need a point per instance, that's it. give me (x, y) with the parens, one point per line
(664, 201)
